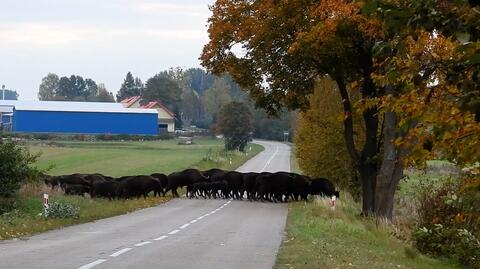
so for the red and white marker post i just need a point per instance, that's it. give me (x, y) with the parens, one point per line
(333, 202)
(45, 204)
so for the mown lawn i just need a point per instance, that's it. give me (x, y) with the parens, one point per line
(115, 159)
(123, 158)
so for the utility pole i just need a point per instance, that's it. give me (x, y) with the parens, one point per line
(3, 92)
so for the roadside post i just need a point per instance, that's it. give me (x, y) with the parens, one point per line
(45, 205)
(333, 202)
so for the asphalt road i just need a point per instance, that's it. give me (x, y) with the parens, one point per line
(182, 233)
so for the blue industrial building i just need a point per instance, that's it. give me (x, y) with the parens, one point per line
(78, 118)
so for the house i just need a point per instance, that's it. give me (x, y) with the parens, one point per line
(166, 118)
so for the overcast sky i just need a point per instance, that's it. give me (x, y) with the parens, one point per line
(98, 39)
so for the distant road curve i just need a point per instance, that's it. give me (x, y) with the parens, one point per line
(182, 233)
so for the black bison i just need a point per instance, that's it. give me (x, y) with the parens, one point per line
(136, 186)
(183, 179)
(162, 178)
(323, 187)
(76, 189)
(105, 189)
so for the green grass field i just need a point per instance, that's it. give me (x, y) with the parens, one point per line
(125, 158)
(115, 159)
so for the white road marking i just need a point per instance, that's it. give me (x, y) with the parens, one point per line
(120, 252)
(160, 238)
(193, 221)
(213, 212)
(184, 226)
(143, 243)
(174, 231)
(269, 160)
(199, 218)
(92, 264)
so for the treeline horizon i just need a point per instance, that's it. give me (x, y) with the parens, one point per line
(194, 96)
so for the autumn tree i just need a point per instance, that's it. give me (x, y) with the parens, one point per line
(234, 122)
(288, 44)
(319, 143)
(279, 67)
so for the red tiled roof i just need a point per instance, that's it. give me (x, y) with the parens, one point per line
(130, 101)
(154, 104)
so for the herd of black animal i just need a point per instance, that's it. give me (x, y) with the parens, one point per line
(213, 183)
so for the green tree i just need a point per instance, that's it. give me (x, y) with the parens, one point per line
(48, 88)
(91, 88)
(216, 97)
(103, 95)
(199, 80)
(234, 122)
(16, 166)
(73, 88)
(130, 87)
(192, 107)
(162, 88)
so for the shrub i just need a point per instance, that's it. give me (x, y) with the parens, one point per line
(15, 169)
(62, 210)
(449, 221)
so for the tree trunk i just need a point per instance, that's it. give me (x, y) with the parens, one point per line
(364, 162)
(391, 170)
(368, 191)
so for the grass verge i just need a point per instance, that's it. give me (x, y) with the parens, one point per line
(319, 237)
(27, 219)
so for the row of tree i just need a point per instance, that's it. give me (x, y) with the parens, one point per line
(73, 88)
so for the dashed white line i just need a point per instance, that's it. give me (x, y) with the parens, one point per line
(160, 238)
(143, 243)
(120, 252)
(269, 160)
(92, 264)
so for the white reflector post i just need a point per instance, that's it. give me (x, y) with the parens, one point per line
(45, 205)
(334, 200)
